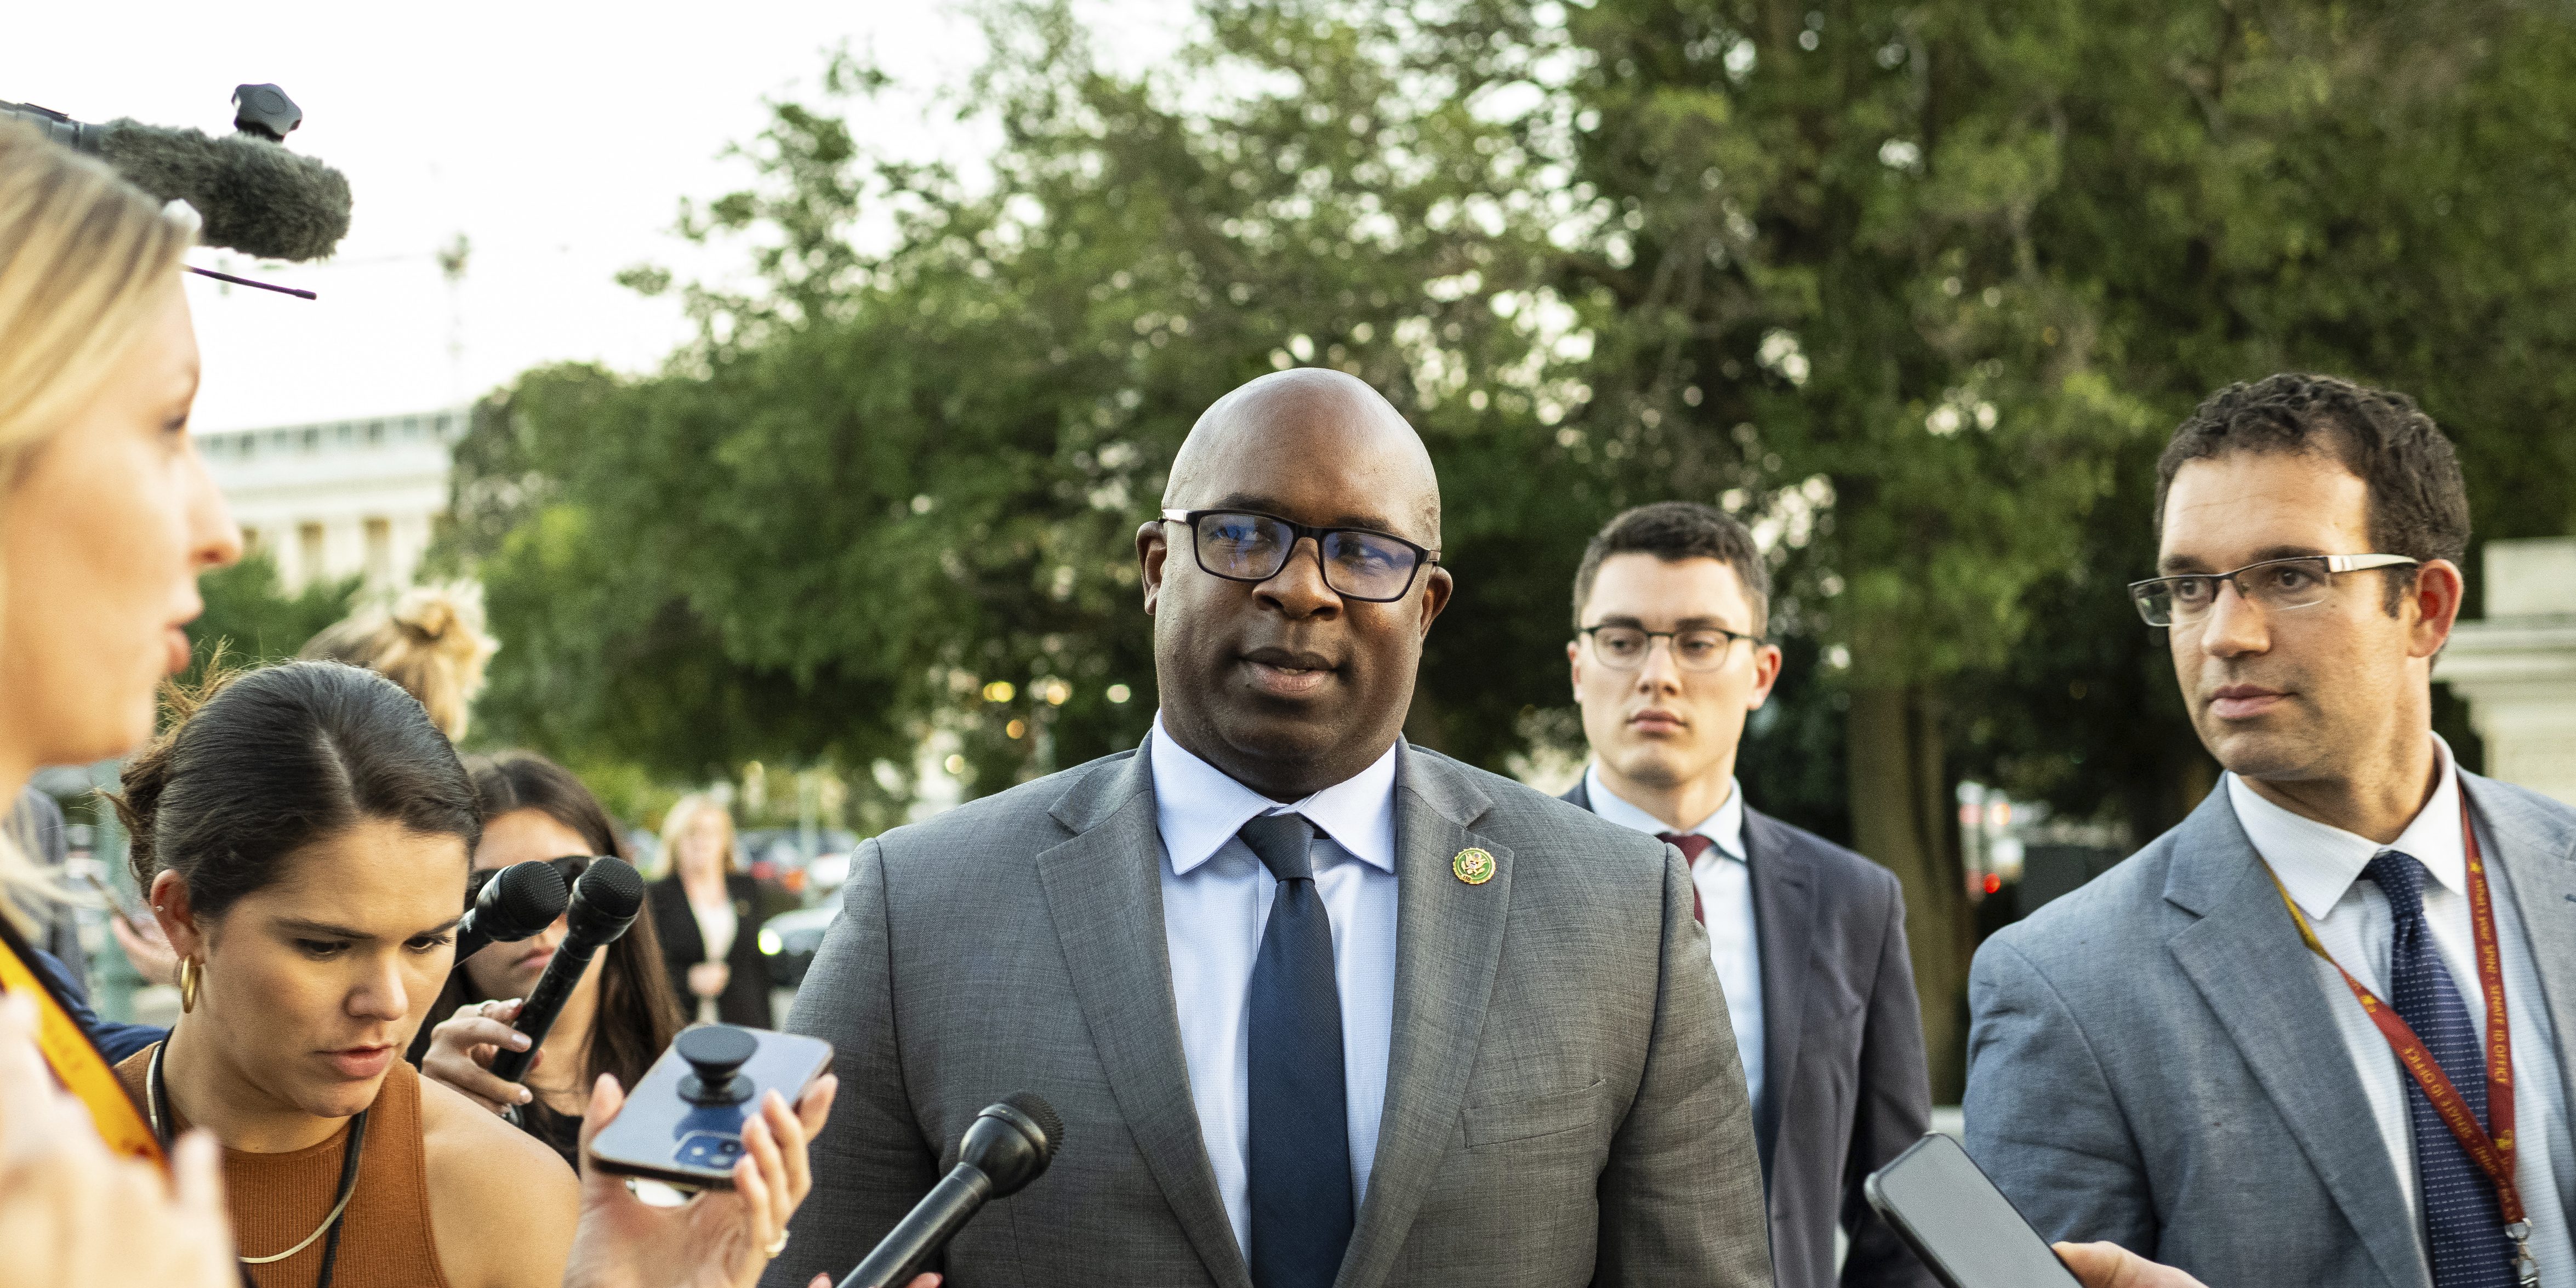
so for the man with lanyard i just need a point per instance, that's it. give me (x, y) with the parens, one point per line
(2313, 1034)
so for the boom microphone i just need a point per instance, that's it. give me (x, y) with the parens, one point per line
(1005, 1148)
(254, 195)
(516, 902)
(604, 904)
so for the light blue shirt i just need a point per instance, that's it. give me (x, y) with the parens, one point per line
(1216, 902)
(2320, 865)
(1724, 879)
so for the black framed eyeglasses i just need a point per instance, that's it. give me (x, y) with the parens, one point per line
(1701, 648)
(569, 868)
(1358, 563)
(2301, 581)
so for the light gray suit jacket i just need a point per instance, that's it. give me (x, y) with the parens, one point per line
(2152, 1060)
(1563, 1100)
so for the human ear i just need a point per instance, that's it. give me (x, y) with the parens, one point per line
(178, 917)
(1766, 673)
(1151, 550)
(2436, 597)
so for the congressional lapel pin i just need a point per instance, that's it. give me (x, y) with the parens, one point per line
(1473, 866)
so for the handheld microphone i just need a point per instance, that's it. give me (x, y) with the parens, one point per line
(254, 195)
(516, 902)
(1005, 1148)
(604, 904)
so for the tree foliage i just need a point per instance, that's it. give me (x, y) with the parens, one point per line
(1919, 287)
(250, 618)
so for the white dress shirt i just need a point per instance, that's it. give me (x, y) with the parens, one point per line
(2320, 865)
(1725, 880)
(1216, 902)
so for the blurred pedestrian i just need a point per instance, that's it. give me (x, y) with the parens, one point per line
(2314, 1034)
(707, 912)
(1670, 608)
(617, 1018)
(430, 641)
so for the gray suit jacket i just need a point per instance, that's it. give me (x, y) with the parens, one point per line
(2152, 1061)
(1842, 1041)
(1563, 1101)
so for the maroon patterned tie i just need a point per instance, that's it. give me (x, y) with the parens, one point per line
(1692, 845)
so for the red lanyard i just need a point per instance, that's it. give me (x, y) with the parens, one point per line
(2493, 1152)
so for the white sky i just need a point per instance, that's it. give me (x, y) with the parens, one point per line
(557, 137)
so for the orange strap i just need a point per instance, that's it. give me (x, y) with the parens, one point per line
(2493, 1153)
(75, 1059)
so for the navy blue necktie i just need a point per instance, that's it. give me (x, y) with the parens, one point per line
(1299, 1162)
(2464, 1224)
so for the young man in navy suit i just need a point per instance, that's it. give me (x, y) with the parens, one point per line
(1808, 938)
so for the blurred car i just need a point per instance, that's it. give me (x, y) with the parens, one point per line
(780, 855)
(788, 941)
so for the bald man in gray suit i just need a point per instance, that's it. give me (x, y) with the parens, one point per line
(1529, 1082)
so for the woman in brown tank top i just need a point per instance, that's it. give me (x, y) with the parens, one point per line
(303, 832)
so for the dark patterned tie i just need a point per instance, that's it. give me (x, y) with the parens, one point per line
(1692, 846)
(1299, 1163)
(2464, 1225)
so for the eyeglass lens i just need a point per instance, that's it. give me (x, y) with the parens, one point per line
(2279, 584)
(1624, 648)
(1254, 547)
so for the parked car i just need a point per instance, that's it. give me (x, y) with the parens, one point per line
(788, 942)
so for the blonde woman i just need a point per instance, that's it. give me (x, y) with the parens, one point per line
(430, 641)
(707, 914)
(107, 517)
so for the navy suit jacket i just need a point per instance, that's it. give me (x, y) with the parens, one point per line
(1844, 1087)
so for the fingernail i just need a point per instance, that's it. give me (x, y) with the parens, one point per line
(518, 1041)
(526, 1095)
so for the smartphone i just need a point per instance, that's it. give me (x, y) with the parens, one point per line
(1935, 1197)
(682, 1125)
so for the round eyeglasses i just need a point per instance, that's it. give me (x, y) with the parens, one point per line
(1624, 648)
(2277, 584)
(1249, 546)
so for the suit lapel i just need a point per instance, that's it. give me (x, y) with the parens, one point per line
(2246, 958)
(1104, 894)
(2537, 852)
(1448, 943)
(1784, 926)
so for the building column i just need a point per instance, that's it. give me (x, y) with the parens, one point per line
(2517, 666)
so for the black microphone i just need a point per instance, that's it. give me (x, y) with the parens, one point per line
(1005, 1148)
(253, 195)
(516, 902)
(604, 904)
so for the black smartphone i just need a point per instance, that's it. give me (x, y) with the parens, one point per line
(682, 1125)
(1936, 1198)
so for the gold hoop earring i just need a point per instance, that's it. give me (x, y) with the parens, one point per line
(190, 976)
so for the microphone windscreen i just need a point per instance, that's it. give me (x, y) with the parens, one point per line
(529, 896)
(256, 197)
(612, 887)
(1041, 1113)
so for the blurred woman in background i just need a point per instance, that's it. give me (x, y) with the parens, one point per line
(430, 641)
(616, 1020)
(708, 914)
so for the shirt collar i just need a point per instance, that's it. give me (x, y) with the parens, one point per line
(1199, 808)
(2317, 862)
(1725, 827)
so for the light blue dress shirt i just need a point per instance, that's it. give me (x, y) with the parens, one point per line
(1216, 902)
(2320, 865)
(1724, 878)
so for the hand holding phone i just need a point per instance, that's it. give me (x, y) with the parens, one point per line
(684, 1123)
(1936, 1199)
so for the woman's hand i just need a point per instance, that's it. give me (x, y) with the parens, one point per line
(461, 1050)
(708, 979)
(72, 1212)
(716, 1240)
(147, 949)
